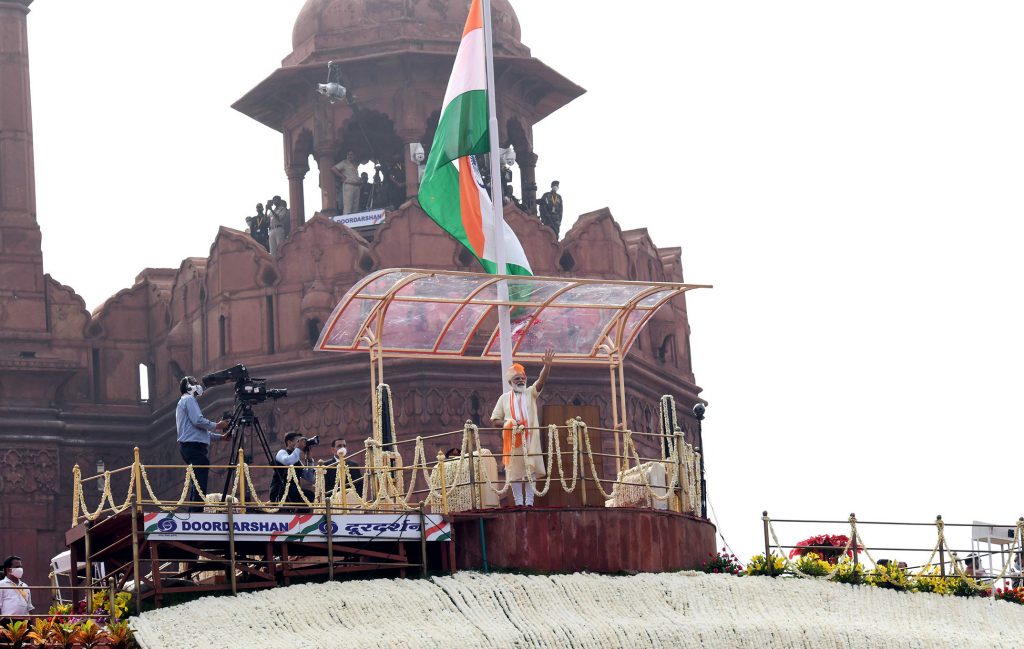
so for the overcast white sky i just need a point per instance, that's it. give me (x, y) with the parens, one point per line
(847, 175)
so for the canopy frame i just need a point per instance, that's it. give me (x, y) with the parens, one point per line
(626, 315)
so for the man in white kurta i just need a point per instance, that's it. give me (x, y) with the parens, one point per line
(518, 407)
(15, 597)
(347, 172)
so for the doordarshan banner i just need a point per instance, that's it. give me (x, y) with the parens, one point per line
(293, 528)
(360, 219)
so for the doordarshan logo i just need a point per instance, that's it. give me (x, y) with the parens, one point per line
(166, 525)
(323, 528)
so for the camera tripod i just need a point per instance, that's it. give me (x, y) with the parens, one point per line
(241, 421)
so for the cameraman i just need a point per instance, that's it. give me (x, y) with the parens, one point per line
(195, 433)
(294, 453)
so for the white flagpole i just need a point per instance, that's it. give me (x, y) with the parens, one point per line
(498, 218)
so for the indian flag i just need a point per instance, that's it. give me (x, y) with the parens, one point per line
(452, 192)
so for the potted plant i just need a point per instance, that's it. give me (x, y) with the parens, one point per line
(16, 632)
(39, 635)
(89, 635)
(61, 635)
(119, 636)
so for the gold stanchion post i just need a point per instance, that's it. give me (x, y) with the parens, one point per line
(444, 482)
(240, 472)
(137, 475)
(343, 470)
(679, 466)
(853, 541)
(942, 550)
(472, 476)
(582, 462)
(329, 528)
(767, 546)
(135, 554)
(75, 491)
(231, 546)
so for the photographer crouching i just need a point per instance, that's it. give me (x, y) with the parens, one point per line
(296, 452)
(195, 432)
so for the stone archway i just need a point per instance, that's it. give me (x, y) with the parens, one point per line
(371, 136)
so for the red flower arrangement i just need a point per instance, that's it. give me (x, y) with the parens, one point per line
(722, 562)
(828, 546)
(1015, 595)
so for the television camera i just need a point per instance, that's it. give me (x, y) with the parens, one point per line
(247, 389)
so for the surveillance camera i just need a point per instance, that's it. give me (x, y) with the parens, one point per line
(333, 91)
(698, 411)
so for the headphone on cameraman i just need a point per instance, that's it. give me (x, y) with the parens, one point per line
(189, 385)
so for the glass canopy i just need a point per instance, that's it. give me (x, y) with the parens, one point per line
(450, 315)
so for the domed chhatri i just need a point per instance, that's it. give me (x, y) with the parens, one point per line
(394, 57)
(344, 26)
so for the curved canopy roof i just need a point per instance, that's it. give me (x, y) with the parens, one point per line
(452, 315)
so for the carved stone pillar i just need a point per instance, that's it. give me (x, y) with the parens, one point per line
(324, 149)
(412, 173)
(296, 198)
(527, 161)
(328, 191)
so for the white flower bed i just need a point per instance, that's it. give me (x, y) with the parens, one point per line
(583, 610)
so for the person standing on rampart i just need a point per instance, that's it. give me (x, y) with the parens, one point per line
(518, 407)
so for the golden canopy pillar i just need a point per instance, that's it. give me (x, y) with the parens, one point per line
(395, 58)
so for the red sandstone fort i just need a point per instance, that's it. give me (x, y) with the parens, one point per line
(70, 379)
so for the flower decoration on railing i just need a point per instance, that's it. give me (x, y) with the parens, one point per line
(828, 547)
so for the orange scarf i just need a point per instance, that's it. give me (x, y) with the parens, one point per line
(509, 439)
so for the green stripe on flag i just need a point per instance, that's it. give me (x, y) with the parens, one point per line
(461, 131)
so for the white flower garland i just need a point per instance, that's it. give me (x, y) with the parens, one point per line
(81, 508)
(582, 610)
(384, 472)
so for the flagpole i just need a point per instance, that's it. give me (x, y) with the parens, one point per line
(498, 217)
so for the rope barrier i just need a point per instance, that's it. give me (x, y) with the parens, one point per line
(384, 473)
(927, 570)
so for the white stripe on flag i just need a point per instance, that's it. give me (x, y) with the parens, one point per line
(469, 72)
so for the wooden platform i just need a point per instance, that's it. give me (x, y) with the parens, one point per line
(202, 562)
(535, 539)
(574, 539)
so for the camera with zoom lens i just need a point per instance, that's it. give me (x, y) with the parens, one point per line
(312, 441)
(247, 389)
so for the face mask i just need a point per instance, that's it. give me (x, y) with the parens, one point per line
(17, 572)
(341, 451)
(195, 390)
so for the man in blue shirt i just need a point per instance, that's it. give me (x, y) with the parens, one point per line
(195, 433)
